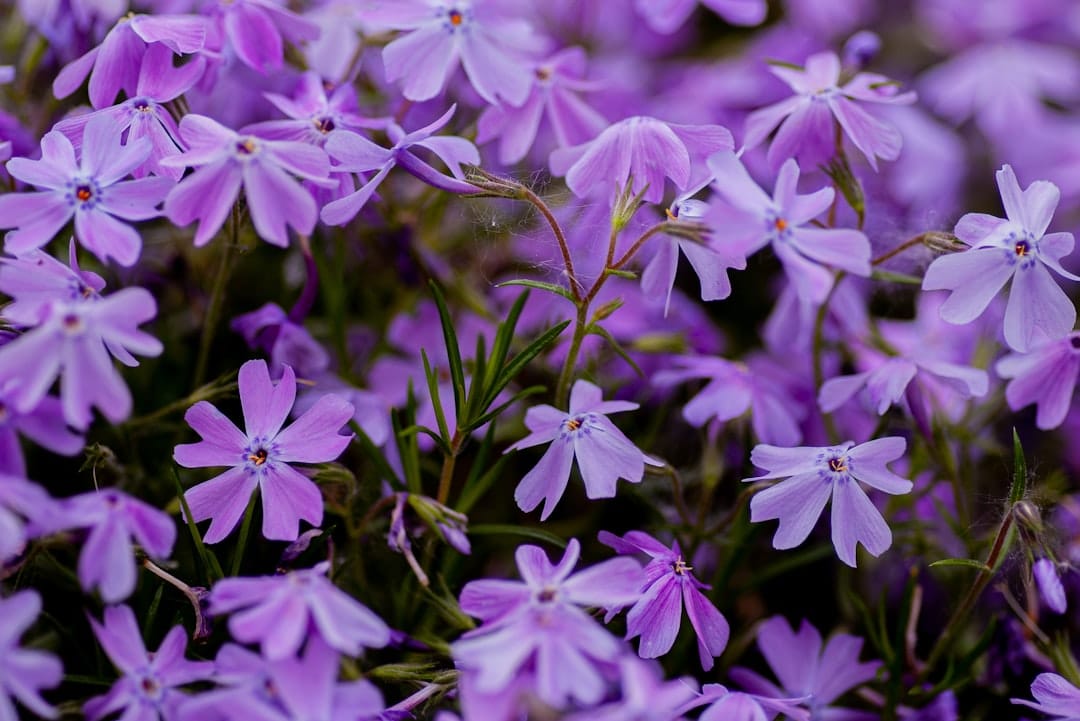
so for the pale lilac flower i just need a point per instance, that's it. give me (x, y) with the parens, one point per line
(441, 32)
(646, 696)
(725, 705)
(604, 454)
(24, 671)
(354, 153)
(667, 16)
(539, 625)
(315, 110)
(35, 279)
(260, 456)
(44, 425)
(25, 510)
(256, 30)
(806, 120)
(147, 690)
(812, 476)
(226, 160)
(91, 190)
(669, 587)
(1045, 376)
(287, 342)
(283, 612)
(643, 151)
(1054, 696)
(807, 668)
(113, 520)
(114, 65)
(750, 219)
(1016, 247)
(1048, 581)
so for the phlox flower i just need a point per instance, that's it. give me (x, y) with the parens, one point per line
(282, 612)
(667, 16)
(44, 425)
(147, 690)
(646, 696)
(812, 476)
(751, 220)
(256, 30)
(669, 586)
(807, 668)
(442, 32)
(604, 454)
(539, 624)
(806, 119)
(25, 508)
(642, 151)
(24, 671)
(287, 342)
(725, 705)
(113, 520)
(261, 456)
(224, 161)
(1054, 696)
(89, 189)
(1048, 582)
(314, 110)
(1045, 376)
(1016, 247)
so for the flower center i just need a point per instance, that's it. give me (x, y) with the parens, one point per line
(258, 457)
(71, 323)
(142, 105)
(150, 686)
(455, 17)
(838, 464)
(680, 567)
(573, 424)
(247, 146)
(1022, 248)
(780, 224)
(324, 125)
(83, 193)
(546, 595)
(543, 73)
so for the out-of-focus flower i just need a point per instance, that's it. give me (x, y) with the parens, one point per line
(24, 672)
(1045, 376)
(667, 16)
(287, 342)
(25, 510)
(725, 705)
(256, 30)
(1054, 696)
(1048, 581)
(646, 696)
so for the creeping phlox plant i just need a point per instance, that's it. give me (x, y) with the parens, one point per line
(497, 360)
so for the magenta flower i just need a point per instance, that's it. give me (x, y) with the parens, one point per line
(90, 190)
(667, 16)
(225, 160)
(806, 668)
(260, 457)
(354, 153)
(669, 587)
(256, 30)
(147, 690)
(539, 624)
(641, 150)
(603, 453)
(442, 32)
(282, 612)
(113, 520)
(1016, 247)
(24, 671)
(751, 220)
(25, 510)
(806, 120)
(812, 476)
(1054, 696)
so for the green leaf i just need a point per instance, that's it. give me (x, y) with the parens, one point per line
(493, 413)
(475, 490)
(453, 351)
(1019, 480)
(607, 309)
(540, 285)
(436, 402)
(209, 560)
(595, 329)
(408, 449)
(888, 276)
(415, 430)
(961, 562)
(539, 345)
(376, 455)
(507, 529)
(619, 272)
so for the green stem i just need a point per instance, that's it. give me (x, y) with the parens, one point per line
(245, 529)
(819, 352)
(217, 299)
(562, 390)
(446, 476)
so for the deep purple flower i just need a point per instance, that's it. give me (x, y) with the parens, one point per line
(113, 520)
(806, 668)
(1015, 247)
(750, 219)
(1055, 696)
(1046, 376)
(354, 153)
(24, 671)
(90, 190)
(114, 65)
(643, 151)
(539, 624)
(646, 696)
(147, 690)
(1048, 581)
(442, 32)
(725, 705)
(260, 457)
(225, 160)
(287, 342)
(806, 119)
(282, 612)
(25, 509)
(256, 30)
(811, 476)
(667, 16)
(669, 586)
(604, 454)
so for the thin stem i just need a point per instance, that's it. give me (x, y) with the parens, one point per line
(202, 630)
(654, 230)
(562, 390)
(917, 240)
(819, 352)
(217, 299)
(560, 236)
(446, 476)
(245, 529)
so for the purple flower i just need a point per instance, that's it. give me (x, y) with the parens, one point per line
(281, 612)
(805, 668)
(24, 671)
(286, 342)
(1018, 248)
(25, 509)
(113, 520)
(603, 453)
(446, 523)
(476, 32)
(354, 153)
(889, 381)
(667, 16)
(646, 696)
(806, 120)
(315, 110)
(260, 457)
(669, 586)
(1048, 581)
(225, 160)
(725, 705)
(751, 219)
(1046, 376)
(44, 425)
(539, 624)
(90, 190)
(114, 65)
(147, 690)
(256, 30)
(73, 340)
(812, 476)
(641, 150)
(1055, 696)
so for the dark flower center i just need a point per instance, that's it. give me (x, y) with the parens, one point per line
(838, 464)
(573, 424)
(83, 193)
(781, 224)
(142, 105)
(247, 146)
(455, 17)
(71, 322)
(680, 567)
(258, 457)
(543, 73)
(150, 686)
(1075, 341)
(324, 125)
(1022, 248)
(546, 595)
